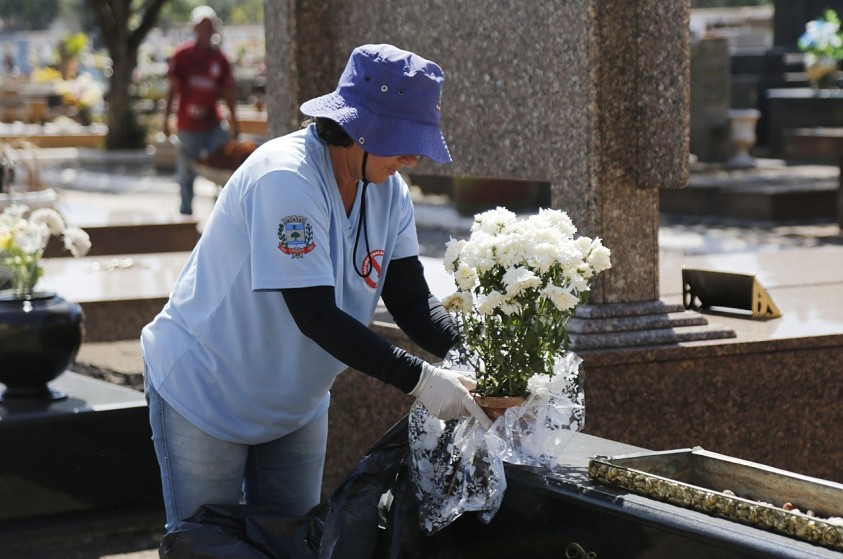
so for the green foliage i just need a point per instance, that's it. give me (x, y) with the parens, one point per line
(232, 12)
(74, 44)
(27, 15)
(822, 37)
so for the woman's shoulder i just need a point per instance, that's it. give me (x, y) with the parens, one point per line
(293, 152)
(287, 162)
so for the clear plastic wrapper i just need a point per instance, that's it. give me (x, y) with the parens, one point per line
(457, 467)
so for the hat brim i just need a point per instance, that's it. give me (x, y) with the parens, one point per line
(382, 136)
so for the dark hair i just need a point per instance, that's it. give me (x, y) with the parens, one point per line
(330, 131)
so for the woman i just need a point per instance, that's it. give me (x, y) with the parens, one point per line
(274, 301)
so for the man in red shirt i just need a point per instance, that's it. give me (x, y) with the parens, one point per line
(199, 74)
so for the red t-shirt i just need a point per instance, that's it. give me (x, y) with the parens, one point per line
(202, 74)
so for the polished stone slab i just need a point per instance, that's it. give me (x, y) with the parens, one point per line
(119, 294)
(85, 456)
(800, 107)
(805, 284)
(113, 278)
(771, 192)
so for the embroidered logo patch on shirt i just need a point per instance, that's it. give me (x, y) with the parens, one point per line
(295, 236)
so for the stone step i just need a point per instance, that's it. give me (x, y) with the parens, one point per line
(633, 309)
(643, 338)
(639, 324)
(633, 324)
(128, 231)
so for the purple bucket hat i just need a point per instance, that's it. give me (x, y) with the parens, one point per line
(387, 100)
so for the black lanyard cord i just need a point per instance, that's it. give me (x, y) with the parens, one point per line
(361, 224)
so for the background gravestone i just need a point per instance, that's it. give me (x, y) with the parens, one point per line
(710, 99)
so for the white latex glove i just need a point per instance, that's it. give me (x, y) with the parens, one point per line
(446, 395)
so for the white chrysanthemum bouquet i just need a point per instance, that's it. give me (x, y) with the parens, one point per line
(22, 243)
(519, 282)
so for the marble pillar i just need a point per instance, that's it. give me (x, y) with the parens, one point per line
(591, 96)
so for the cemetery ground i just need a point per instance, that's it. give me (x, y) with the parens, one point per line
(118, 362)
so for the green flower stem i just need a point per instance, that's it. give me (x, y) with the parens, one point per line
(25, 270)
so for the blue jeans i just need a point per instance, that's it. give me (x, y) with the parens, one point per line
(197, 469)
(194, 146)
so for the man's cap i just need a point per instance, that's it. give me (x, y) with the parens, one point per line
(200, 13)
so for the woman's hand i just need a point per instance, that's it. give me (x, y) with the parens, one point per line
(446, 394)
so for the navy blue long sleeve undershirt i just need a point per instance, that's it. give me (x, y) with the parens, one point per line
(413, 307)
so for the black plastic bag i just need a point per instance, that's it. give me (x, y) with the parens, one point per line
(243, 532)
(359, 520)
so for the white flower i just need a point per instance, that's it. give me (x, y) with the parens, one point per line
(510, 251)
(555, 219)
(22, 243)
(561, 298)
(490, 302)
(48, 217)
(511, 308)
(543, 256)
(31, 237)
(465, 276)
(577, 280)
(14, 213)
(452, 254)
(493, 222)
(76, 241)
(518, 280)
(600, 258)
(460, 302)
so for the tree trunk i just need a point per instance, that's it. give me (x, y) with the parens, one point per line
(123, 128)
(123, 40)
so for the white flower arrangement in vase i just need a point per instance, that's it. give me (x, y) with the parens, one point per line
(519, 282)
(23, 240)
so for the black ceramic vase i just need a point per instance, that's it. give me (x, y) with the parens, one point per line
(39, 338)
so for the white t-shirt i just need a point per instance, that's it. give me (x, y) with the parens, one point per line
(224, 351)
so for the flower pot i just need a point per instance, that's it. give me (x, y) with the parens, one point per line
(822, 71)
(496, 406)
(40, 335)
(742, 136)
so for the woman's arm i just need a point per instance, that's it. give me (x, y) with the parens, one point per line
(316, 314)
(415, 309)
